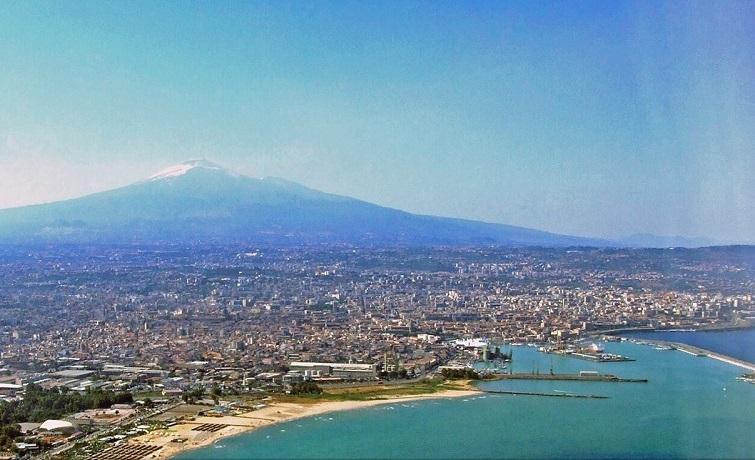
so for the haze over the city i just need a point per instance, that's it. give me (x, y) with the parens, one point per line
(591, 118)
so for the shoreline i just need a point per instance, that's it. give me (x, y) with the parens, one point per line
(275, 413)
(283, 412)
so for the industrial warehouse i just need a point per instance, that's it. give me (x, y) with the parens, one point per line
(345, 371)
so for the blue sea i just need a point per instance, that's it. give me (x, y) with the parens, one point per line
(692, 407)
(737, 344)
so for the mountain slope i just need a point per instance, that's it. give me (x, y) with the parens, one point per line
(200, 201)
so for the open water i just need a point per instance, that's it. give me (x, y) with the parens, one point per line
(691, 407)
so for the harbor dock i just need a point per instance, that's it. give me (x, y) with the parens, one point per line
(600, 358)
(551, 395)
(591, 353)
(697, 351)
(582, 376)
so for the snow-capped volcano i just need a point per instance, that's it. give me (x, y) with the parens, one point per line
(200, 201)
(182, 168)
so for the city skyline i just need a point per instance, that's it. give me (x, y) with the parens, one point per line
(425, 108)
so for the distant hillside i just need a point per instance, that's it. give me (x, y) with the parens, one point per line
(646, 240)
(199, 201)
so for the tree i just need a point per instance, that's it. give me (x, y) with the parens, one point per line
(39, 405)
(455, 374)
(192, 395)
(305, 388)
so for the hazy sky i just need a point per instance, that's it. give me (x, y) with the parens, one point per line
(600, 119)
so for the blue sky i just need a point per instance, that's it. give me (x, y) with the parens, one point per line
(590, 118)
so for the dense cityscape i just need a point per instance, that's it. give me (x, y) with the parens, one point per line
(259, 309)
(165, 321)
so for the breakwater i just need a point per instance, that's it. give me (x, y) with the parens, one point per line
(550, 395)
(739, 344)
(572, 377)
(702, 352)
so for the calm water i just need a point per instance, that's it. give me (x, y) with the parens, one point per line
(692, 407)
(737, 344)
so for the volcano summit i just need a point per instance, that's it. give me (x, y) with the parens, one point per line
(200, 201)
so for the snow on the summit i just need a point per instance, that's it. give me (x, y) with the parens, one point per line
(175, 170)
(183, 168)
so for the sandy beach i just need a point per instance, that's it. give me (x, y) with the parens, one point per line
(276, 412)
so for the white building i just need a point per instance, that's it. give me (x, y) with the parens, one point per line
(341, 370)
(57, 426)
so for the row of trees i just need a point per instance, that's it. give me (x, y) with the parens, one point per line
(456, 374)
(197, 393)
(193, 395)
(306, 388)
(40, 404)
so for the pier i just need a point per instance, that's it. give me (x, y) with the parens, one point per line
(582, 377)
(697, 351)
(592, 353)
(550, 395)
(600, 358)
